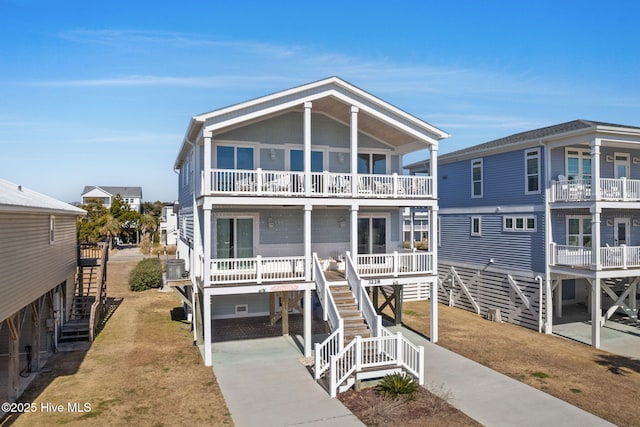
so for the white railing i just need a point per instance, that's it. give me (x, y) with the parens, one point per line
(396, 263)
(335, 342)
(620, 189)
(259, 269)
(292, 184)
(374, 321)
(376, 352)
(611, 257)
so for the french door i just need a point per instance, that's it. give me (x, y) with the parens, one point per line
(372, 235)
(621, 231)
(234, 238)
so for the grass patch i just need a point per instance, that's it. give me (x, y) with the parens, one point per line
(540, 375)
(575, 390)
(410, 313)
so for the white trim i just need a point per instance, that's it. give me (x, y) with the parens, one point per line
(582, 154)
(215, 143)
(580, 234)
(493, 209)
(627, 222)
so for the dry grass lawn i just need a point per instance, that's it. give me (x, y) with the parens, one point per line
(601, 383)
(142, 369)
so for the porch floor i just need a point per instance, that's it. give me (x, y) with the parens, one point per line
(620, 334)
(260, 327)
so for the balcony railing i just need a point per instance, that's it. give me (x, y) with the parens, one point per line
(611, 257)
(395, 264)
(577, 190)
(261, 269)
(292, 184)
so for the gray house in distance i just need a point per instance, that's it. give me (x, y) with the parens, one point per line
(131, 195)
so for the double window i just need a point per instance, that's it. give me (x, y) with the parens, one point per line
(296, 159)
(579, 231)
(476, 178)
(578, 164)
(372, 163)
(232, 157)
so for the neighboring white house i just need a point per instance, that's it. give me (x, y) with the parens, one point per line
(277, 191)
(169, 226)
(38, 259)
(130, 195)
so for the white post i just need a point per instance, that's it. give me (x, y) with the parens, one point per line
(433, 248)
(354, 153)
(206, 300)
(354, 235)
(421, 365)
(307, 323)
(258, 269)
(595, 313)
(396, 263)
(399, 355)
(595, 238)
(595, 171)
(307, 242)
(307, 148)
(207, 162)
(358, 353)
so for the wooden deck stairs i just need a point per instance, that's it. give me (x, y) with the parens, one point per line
(354, 322)
(87, 286)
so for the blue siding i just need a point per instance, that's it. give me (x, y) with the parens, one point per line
(559, 225)
(503, 182)
(521, 250)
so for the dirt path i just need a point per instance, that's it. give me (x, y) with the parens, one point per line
(142, 369)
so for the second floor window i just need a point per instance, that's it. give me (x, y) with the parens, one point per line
(532, 165)
(372, 163)
(578, 165)
(229, 157)
(476, 178)
(296, 158)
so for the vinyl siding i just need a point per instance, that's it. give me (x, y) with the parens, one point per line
(559, 225)
(223, 306)
(288, 129)
(30, 265)
(514, 250)
(503, 182)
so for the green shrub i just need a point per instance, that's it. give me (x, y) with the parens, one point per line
(394, 385)
(147, 274)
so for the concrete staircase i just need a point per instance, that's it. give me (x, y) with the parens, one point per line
(354, 322)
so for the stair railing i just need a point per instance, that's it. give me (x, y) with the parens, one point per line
(334, 342)
(373, 319)
(99, 306)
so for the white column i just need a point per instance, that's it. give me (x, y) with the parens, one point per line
(354, 233)
(433, 172)
(595, 313)
(595, 169)
(558, 307)
(307, 148)
(206, 321)
(307, 242)
(307, 323)
(207, 162)
(548, 303)
(433, 248)
(412, 217)
(595, 238)
(548, 238)
(354, 152)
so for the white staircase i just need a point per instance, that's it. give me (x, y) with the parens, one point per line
(359, 347)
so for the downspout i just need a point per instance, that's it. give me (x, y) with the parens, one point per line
(539, 279)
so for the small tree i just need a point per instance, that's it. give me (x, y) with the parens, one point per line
(111, 227)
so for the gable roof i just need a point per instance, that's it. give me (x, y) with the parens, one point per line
(16, 198)
(534, 135)
(114, 191)
(332, 97)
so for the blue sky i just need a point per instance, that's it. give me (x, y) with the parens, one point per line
(101, 93)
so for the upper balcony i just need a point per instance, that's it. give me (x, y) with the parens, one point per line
(582, 190)
(610, 257)
(268, 183)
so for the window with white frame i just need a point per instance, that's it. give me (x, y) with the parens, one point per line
(52, 229)
(578, 164)
(532, 168)
(476, 178)
(579, 231)
(476, 226)
(519, 223)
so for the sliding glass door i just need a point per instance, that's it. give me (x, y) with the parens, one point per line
(234, 238)
(372, 235)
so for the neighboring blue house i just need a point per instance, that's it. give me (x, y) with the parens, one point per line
(279, 191)
(550, 215)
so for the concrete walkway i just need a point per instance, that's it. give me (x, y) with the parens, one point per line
(265, 384)
(491, 398)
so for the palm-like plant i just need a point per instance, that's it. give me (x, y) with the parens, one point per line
(111, 227)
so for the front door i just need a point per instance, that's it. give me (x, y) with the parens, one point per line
(234, 238)
(372, 235)
(621, 165)
(621, 231)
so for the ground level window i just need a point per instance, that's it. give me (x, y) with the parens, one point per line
(519, 223)
(476, 229)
